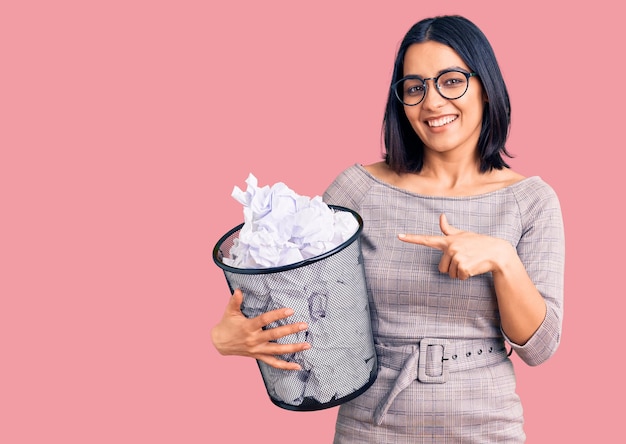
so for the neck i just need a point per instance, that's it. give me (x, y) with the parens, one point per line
(451, 174)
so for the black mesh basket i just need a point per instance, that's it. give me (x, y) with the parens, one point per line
(328, 292)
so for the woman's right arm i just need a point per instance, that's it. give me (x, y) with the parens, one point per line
(237, 335)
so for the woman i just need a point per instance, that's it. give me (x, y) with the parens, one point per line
(478, 264)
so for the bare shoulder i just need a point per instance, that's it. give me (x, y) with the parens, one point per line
(432, 185)
(505, 177)
(381, 171)
(377, 168)
(494, 180)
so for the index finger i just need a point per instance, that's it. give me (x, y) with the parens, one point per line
(438, 242)
(269, 317)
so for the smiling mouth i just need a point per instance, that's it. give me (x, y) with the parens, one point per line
(442, 121)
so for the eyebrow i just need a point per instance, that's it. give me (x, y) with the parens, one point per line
(449, 68)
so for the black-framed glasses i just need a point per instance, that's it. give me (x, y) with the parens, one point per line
(450, 84)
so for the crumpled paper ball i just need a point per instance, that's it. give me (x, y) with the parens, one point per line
(282, 228)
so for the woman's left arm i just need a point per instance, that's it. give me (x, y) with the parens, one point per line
(528, 278)
(541, 257)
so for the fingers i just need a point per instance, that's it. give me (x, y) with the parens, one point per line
(276, 349)
(445, 227)
(272, 334)
(275, 315)
(238, 335)
(269, 335)
(437, 242)
(451, 263)
(264, 319)
(270, 352)
(234, 303)
(453, 269)
(447, 266)
(279, 363)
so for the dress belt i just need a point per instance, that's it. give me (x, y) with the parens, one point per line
(432, 361)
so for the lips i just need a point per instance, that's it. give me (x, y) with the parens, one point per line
(433, 123)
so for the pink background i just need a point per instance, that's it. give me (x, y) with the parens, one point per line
(124, 126)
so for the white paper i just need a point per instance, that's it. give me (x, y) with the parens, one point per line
(282, 227)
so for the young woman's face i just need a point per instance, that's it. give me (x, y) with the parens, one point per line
(443, 125)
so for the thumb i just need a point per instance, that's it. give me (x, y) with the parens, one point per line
(234, 304)
(446, 228)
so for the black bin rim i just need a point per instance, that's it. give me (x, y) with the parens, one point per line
(218, 260)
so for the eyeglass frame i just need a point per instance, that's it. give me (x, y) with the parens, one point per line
(467, 75)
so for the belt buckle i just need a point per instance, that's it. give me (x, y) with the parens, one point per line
(422, 376)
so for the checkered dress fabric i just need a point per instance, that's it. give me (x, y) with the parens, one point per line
(410, 301)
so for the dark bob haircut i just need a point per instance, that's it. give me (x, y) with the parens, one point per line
(404, 151)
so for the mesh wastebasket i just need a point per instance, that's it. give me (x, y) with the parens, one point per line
(328, 292)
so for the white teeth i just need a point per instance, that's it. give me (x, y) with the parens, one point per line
(441, 122)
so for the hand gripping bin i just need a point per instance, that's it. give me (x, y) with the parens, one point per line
(328, 292)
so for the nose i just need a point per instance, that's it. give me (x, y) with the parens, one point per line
(432, 98)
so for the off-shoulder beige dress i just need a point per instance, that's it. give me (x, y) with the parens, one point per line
(444, 371)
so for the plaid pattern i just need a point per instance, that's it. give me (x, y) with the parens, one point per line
(411, 300)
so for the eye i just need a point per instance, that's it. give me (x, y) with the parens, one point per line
(413, 88)
(452, 79)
